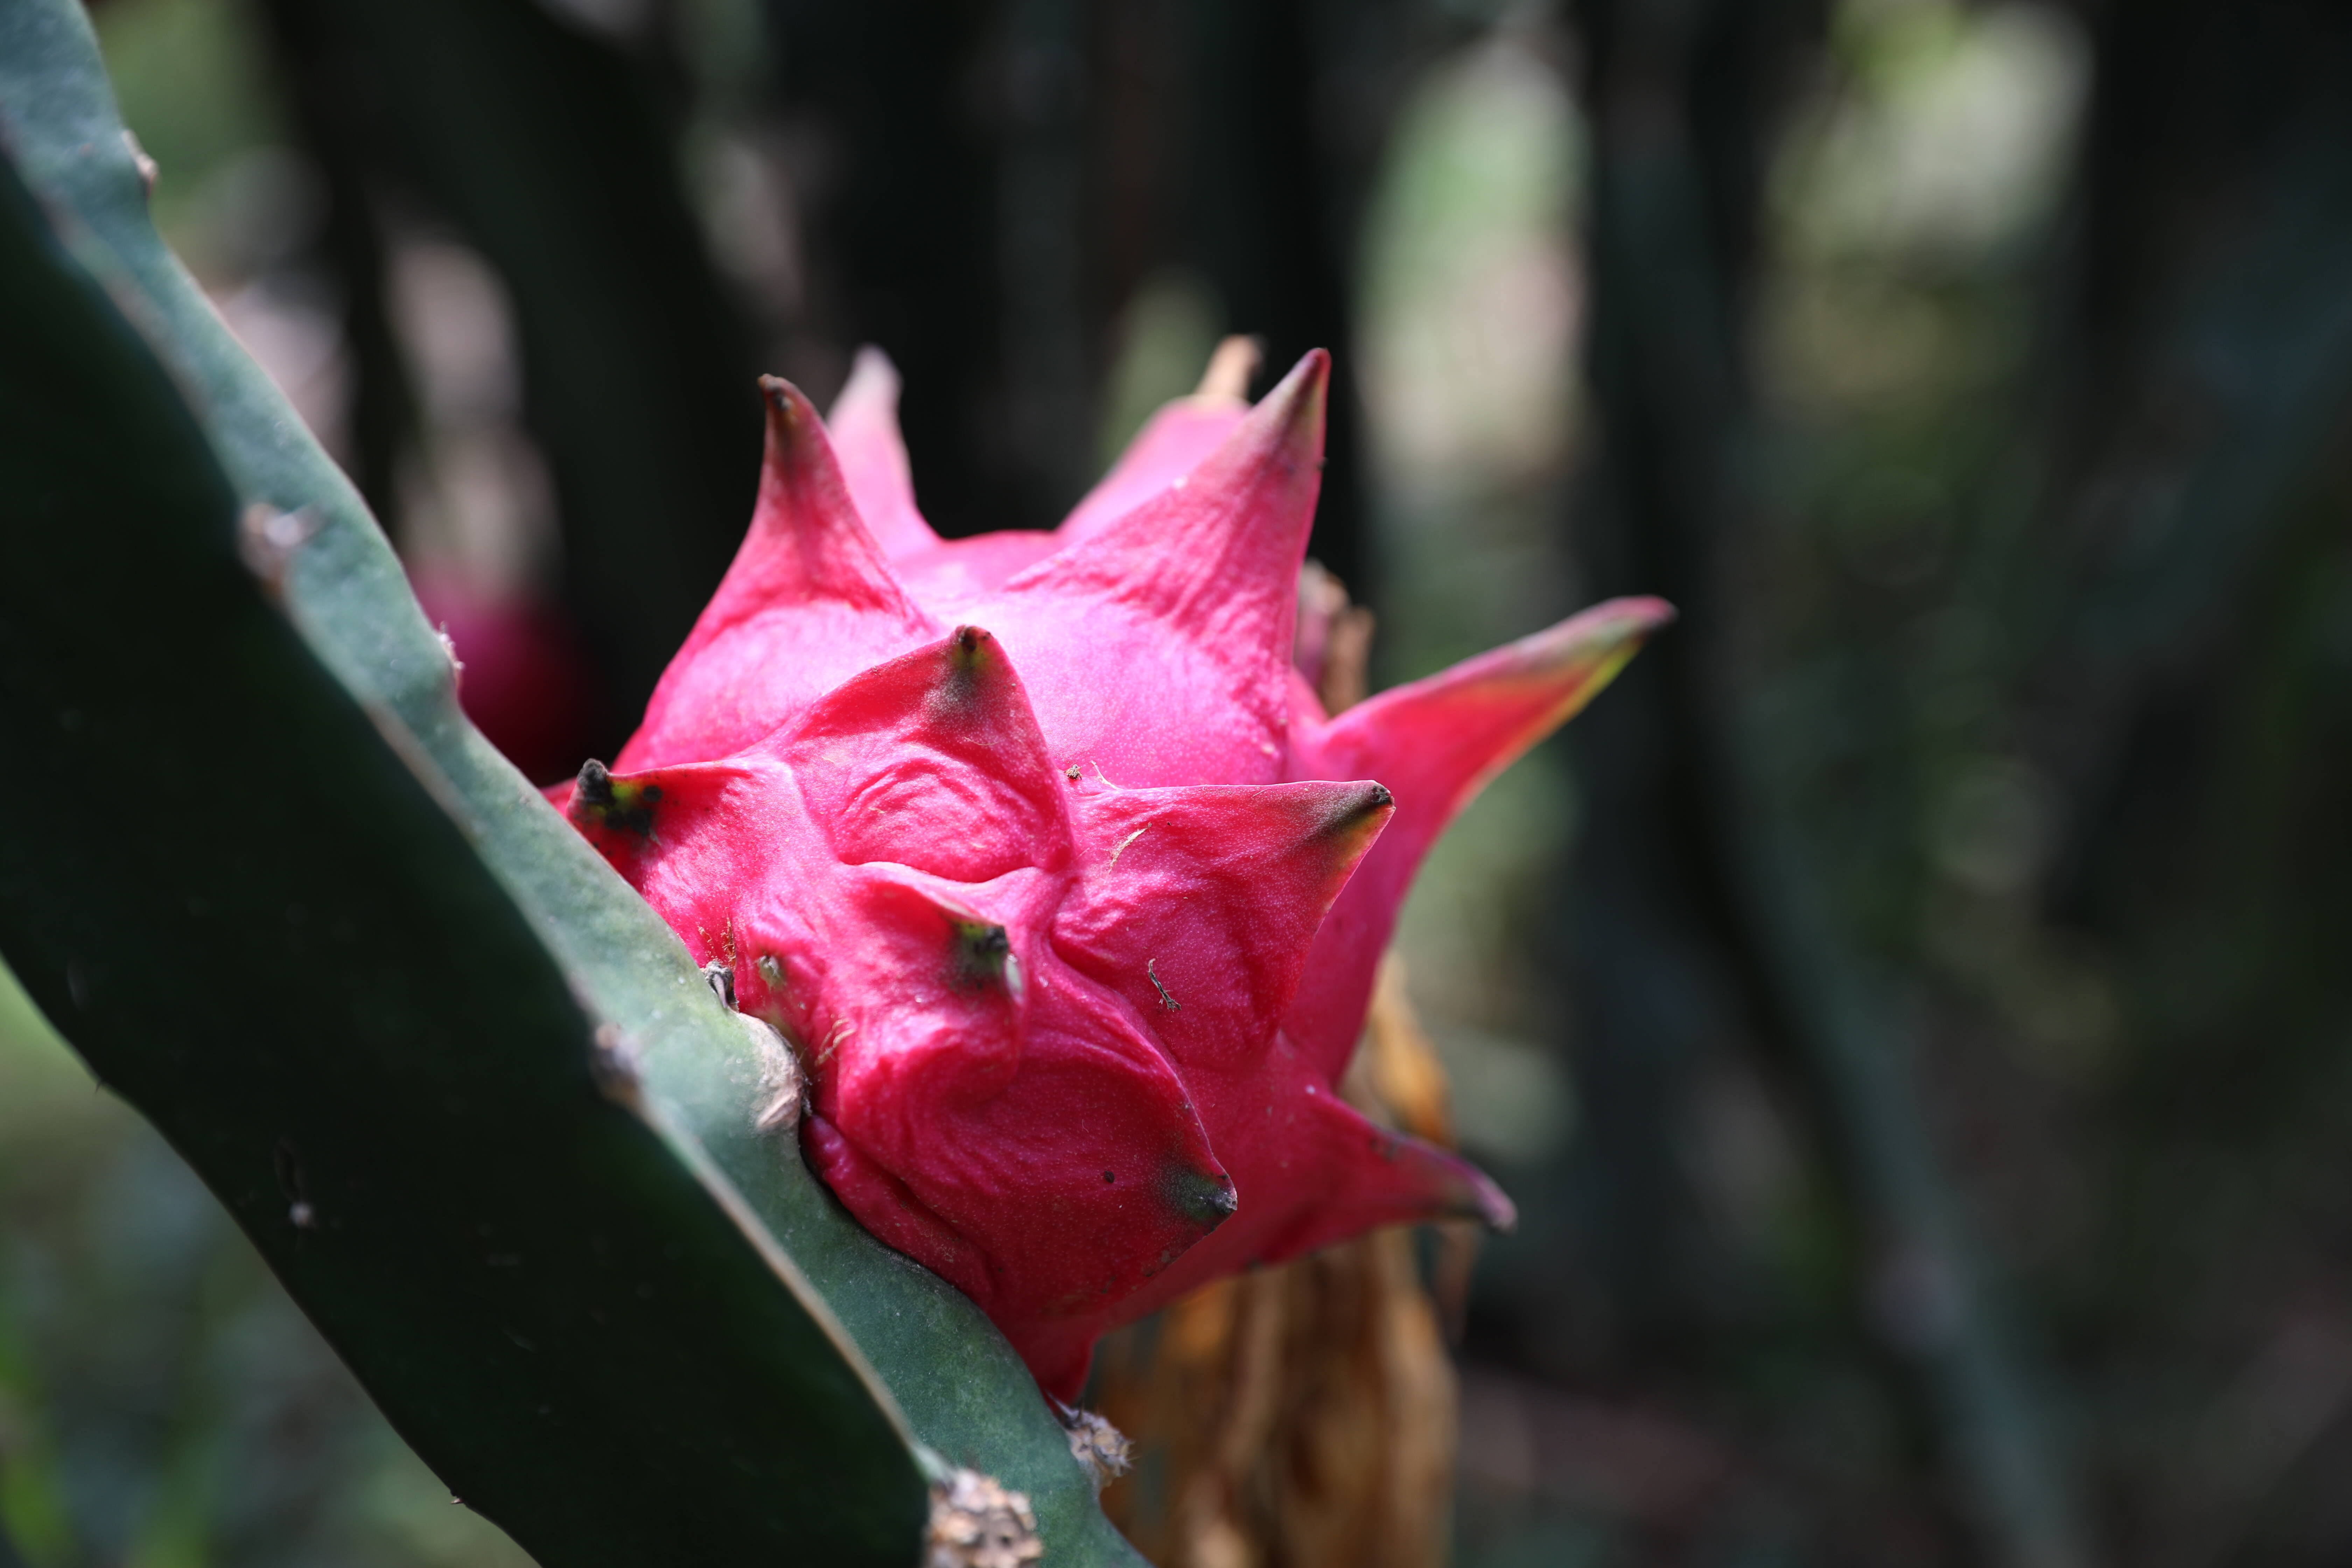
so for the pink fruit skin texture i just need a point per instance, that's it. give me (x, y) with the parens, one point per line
(1051, 865)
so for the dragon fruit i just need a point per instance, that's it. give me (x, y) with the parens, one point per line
(1042, 854)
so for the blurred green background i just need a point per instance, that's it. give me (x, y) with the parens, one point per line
(1904, 1008)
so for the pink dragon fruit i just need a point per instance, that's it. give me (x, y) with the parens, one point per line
(1049, 863)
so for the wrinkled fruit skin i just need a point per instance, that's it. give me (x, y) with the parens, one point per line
(1050, 864)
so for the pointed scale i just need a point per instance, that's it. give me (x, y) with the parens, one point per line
(1350, 1176)
(1436, 742)
(981, 1106)
(1198, 904)
(864, 427)
(1311, 1171)
(933, 760)
(946, 575)
(950, 576)
(808, 603)
(1172, 443)
(1191, 599)
(675, 818)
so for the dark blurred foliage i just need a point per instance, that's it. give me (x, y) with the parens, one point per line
(556, 155)
(1929, 949)
(989, 184)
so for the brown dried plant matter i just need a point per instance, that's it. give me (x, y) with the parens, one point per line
(976, 1523)
(1304, 1416)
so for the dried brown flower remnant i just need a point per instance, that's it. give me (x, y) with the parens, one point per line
(976, 1523)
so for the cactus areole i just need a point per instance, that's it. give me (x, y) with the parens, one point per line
(1048, 862)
